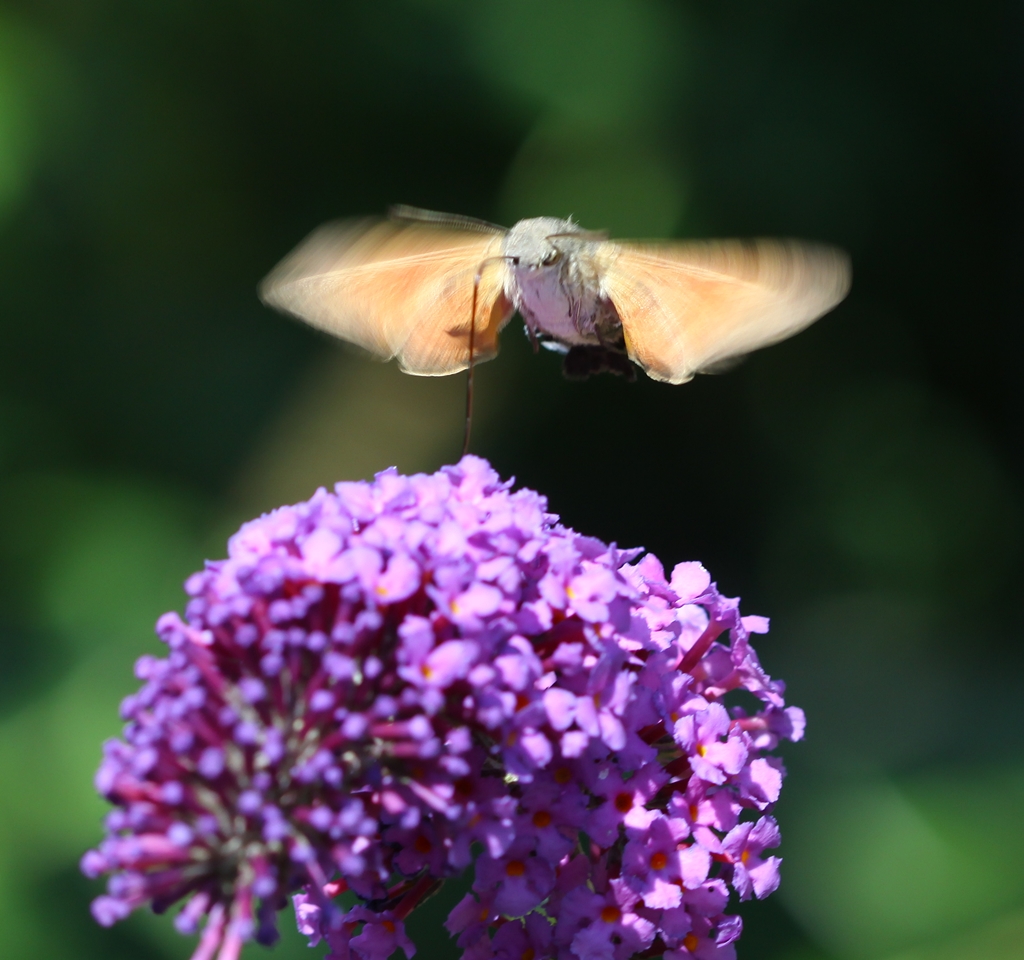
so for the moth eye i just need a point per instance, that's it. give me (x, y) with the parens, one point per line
(553, 256)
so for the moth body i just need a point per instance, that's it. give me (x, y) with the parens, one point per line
(552, 280)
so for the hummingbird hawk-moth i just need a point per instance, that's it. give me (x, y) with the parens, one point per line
(434, 291)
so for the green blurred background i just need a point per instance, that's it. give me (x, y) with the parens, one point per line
(861, 483)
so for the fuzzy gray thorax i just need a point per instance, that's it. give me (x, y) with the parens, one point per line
(554, 282)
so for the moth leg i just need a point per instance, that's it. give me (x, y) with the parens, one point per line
(531, 332)
(576, 314)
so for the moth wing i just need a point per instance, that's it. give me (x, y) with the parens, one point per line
(689, 307)
(397, 290)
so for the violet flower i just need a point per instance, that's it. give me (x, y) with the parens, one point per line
(386, 680)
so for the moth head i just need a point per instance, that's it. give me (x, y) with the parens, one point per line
(540, 244)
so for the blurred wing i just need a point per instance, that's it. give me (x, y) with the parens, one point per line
(688, 307)
(397, 290)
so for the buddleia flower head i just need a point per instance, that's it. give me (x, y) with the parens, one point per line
(389, 683)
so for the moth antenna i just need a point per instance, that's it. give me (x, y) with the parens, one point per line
(594, 236)
(401, 211)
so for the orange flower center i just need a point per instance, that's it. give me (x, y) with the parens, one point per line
(659, 861)
(423, 845)
(624, 802)
(515, 868)
(542, 819)
(611, 914)
(690, 942)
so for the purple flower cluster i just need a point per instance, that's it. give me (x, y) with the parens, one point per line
(381, 685)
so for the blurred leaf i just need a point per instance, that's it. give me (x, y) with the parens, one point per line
(29, 438)
(596, 60)
(49, 809)
(892, 489)
(101, 559)
(63, 896)
(27, 663)
(887, 661)
(912, 485)
(33, 83)
(999, 939)
(873, 867)
(610, 178)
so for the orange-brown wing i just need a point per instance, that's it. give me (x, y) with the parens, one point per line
(397, 290)
(689, 306)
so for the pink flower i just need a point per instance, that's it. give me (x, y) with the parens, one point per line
(744, 845)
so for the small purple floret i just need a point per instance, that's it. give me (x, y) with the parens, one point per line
(383, 680)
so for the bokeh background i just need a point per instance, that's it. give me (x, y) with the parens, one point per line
(861, 484)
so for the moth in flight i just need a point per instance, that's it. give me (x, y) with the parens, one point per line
(434, 291)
